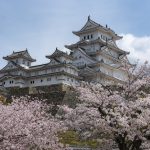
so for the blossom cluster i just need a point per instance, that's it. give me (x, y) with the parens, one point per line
(25, 125)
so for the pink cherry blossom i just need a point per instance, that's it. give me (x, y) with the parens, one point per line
(114, 116)
(25, 125)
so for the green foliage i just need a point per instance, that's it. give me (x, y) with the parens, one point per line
(72, 138)
(16, 91)
(4, 100)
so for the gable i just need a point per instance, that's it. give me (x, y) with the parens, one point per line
(10, 65)
(53, 62)
(27, 55)
(81, 58)
(89, 24)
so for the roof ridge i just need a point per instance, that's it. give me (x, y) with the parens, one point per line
(20, 51)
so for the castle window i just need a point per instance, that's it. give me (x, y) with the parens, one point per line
(32, 82)
(28, 64)
(91, 36)
(3, 83)
(41, 80)
(88, 37)
(84, 37)
(11, 82)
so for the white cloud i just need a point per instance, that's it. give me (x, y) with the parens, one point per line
(139, 47)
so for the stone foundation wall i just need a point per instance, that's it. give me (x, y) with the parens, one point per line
(16, 91)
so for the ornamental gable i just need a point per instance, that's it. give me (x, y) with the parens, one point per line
(20, 54)
(81, 58)
(10, 65)
(54, 62)
(89, 24)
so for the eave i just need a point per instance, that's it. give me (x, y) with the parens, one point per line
(8, 58)
(84, 43)
(11, 76)
(59, 55)
(49, 66)
(53, 74)
(101, 29)
(110, 77)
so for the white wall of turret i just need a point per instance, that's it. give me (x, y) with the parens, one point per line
(42, 77)
(22, 61)
(40, 81)
(95, 35)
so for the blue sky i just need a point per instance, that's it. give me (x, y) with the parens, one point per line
(43, 25)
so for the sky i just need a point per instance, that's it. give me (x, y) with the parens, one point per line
(42, 25)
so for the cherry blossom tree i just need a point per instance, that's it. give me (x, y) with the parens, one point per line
(116, 117)
(26, 125)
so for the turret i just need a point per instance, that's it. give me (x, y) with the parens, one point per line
(20, 58)
(92, 31)
(60, 57)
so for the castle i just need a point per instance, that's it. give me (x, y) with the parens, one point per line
(95, 58)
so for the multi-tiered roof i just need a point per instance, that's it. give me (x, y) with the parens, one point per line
(20, 54)
(93, 26)
(98, 41)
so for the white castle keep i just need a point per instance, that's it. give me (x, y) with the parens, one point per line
(94, 58)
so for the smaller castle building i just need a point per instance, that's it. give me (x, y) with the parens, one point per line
(94, 58)
(20, 73)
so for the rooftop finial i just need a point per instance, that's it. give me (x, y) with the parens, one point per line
(26, 49)
(56, 48)
(106, 26)
(89, 17)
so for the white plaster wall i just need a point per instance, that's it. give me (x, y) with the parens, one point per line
(50, 80)
(23, 61)
(8, 84)
(94, 34)
(99, 33)
(116, 73)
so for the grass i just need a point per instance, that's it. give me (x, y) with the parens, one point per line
(72, 138)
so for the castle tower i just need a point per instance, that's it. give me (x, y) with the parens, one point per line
(97, 55)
